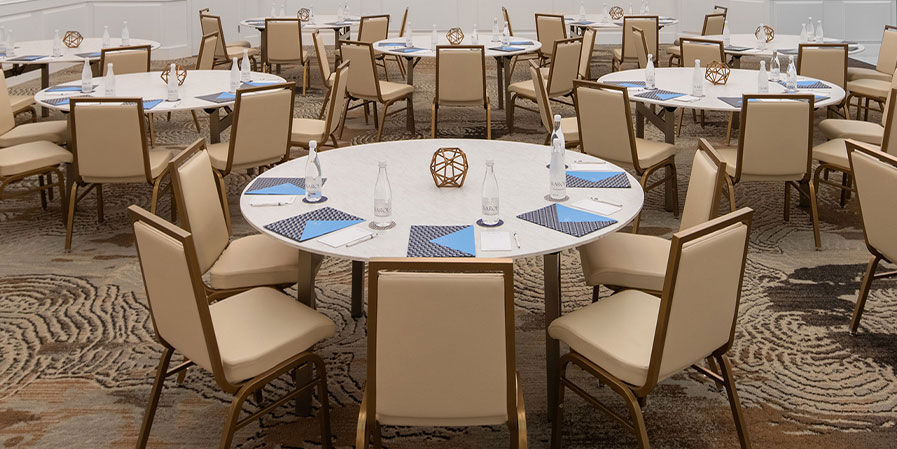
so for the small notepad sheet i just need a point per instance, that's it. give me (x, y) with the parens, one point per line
(495, 241)
(598, 207)
(345, 236)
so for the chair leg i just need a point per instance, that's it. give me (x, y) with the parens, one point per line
(73, 196)
(50, 182)
(100, 215)
(157, 184)
(152, 129)
(728, 128)
(342, 124)
(730, 187)
(672, 188)
(488, 122)
(638, 421)
(787, 211)
(323, 398)
(42, 192)
(845, 183)
(509, 110)
(814, 214)
(367, 112)
(324, 104)
(863, 294)
(304, 77)
(679, 122)
(196, 122)
(558, 422)
(729, 382)
(382, 120)
(150, 413)
(230, 424)
(433, 121)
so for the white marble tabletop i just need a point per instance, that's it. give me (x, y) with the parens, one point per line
(521, 170)
(603, 22)
(783, 43)
(741, 81)
(422, 41)
(90, 47)
(321, 22)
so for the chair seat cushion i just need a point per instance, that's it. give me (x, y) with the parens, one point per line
(833, 152)
(31, 156)
(652, 152)
(626, 260)
(20, 102)
(262, 328)
(673, 50)
(240, 44)
(56, 131)
(868, 87)
(570, 127)
(729, 155)
(158, 162)
(218, 155)
(237, 52)
(523, 89)
(615, 333)
(306, 130)
(304, 61)
(852, 129)
(393, 91)
(254, 261)
(855, 73)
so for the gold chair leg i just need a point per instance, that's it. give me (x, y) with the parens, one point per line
(728, 128)
(787, 211)
(157, 184)
(679, 122)
(233, 416)
(729, 382)
(557, 424)
(814, 212)
(222, 191)
(196, 122)
(100, 215)
(638, 420)
(518, 436)
(488, 122)
(323, 398)
(382, 120)
(304, 77)
(342, 125)
(152, 129)
(863, 294)
(42, 192)
(433, 121)
(73, 198)
(672, 187)
(150, 413)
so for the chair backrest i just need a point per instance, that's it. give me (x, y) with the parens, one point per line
(539, 86)
(701, 294)
(641, 46)
(323, 60)
(889, 116)
(564, 66)
(707, 51)
(200, 203)
(284, 40)
(205, 60)
(585, 54)
(886, 113)
(363, 82)
(338, 99)
(705, 185)
(549, 28)
(605, 122)
(827, 62)
(714, 24)
(650, 25)
(887, 53)
(263, 121)
(124, 60)
(507, 16)
(404, 23)
(109, 140)
(7, 119)
(212, 24)
(875, 174)
(720, 9)
(776, 136)
(373, 28)
(429, 322)
(461, 75)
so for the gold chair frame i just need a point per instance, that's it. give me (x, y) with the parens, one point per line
(486, 105)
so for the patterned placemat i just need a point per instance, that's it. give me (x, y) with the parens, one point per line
(278, 186)
(26, 58)
(659, 94)
(735, 102)
(313, 224)
(69, 88)
(257, 84)
(441, 241)
(64, 100)
(737, 48)
(95, 54)
(808, 84)
(507, 49)
(408, 49)
(220, 97)
(597, 180)
(149, 104)
(627, 83)
(567, 220)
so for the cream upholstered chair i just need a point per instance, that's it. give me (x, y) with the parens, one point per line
(125, 60)
(632, 340)
(39, 158)
(205, 59)
(395, 58)
(441, 347)
(224, 53)
(876, 182)
(713, 25)
(506, 15)
(559, 81)
(232, 266)
(550, 28)
(461, 81)
(245, 341)
(207, 11)
(321, 130)
(21, 104)
(707, 51)
(327, 74)
(364, 85)
(650, 25)
(827, 62)
(868, 85)
(622, 260)
(283, 45)
(55, 131)
(372, 29)
(720, 9)
(605, 131)
(569, 125)
(585, 54)
(775, 145)
(641, 47)
(836, 128)
(887, 59)
(109, 144)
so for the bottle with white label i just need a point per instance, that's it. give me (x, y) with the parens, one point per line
(775, 69)
(803, 33)
(10, 44)
(2, 40)
(647, 7)
(791, 86)
(173, 83)
(820, 38)
(490, 196)
(409, 35)
(506, 36)
(434, 38)
(57, 45)
(340, 13)
(557, 170)
(311, 15)
(582, 11)
(649, 72)
(382, 200)
(811, 32)
(761, 37)
(475, 36)
(125, 34)
(86, 78)
(106, 39)
(234, 75)
(727, 36)
(630, 8)
(245, 75)
(274, 12)
(346, 11)
(762, 79)
(109, 81)
(697, 80)
(313, 185)
(283, 7)
(495, 36)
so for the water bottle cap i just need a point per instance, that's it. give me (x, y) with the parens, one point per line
(312, 144)
(490, 162)
(557, 117)
(381, 164)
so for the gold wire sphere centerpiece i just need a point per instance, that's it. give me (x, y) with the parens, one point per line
(72, 39)
(181, 73)
(449, 167)
(303, 14)
(455, 36)
(717, 73)
(765, 32)
(616, 12)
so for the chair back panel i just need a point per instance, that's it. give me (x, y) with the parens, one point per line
(585, 54)
(373, 28)
(284, 40)
(262, 127)
(109, 140)
(461, 75)
(404, 23)
(885, 113)
(704, 186)
(827, 62)
(876, 182)
(363, 82)
(126, 60)
(549, 28)
(212, 24)
(605, 127)
(889, 140)
(337, 98)
(321, 53)
(641, 46)
(205, 60)
(7, 119)
(507, 17)
(564, 66)
(887, 54)
(649, 25)
(706, 51)
(545, 113)
(714, 24)
(775, 137)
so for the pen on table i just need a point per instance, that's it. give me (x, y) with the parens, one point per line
(590, 162)
(606, 202)
(272, 203)
(517, 240)
(361, 240)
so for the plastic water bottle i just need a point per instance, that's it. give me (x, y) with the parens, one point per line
(125, 34)
(57, 45)
(775, 69)
(819, 36)
(697, 83)
(495, 36)
(409, 35)
(86, 78)
(557, 173)
(10, 44)
(727, 36)
(274, 13)
(311, 15)
(283, 8)
(630, 8)
(490, 195)
(346, 10)
(811, 32)
(761, 39)
(605, 13)
(803, 33)
(791, 86)
(506, 36)
(382, 199)
(475, 36)
(245, 75)
(649, 72)
(173, 83)
(340, 13)
(762, 79)
(434, 38)
(109, 79)
(106, 38)
(2, 40)
(647, 8)
(234, 76)
(313, 185)
(582, 11)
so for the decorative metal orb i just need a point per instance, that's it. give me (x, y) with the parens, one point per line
(449, 167)
(616, 12)
(72, 39)
(455, 36)
(303, 14)
(766, 33)
(717, 73)
(181, 74)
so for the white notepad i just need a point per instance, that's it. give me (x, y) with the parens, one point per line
(597, 207)
(495, 241)
(590, 166)
(345, 236)
(271, 200)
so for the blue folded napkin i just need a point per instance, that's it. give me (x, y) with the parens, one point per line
(507, 48)
(565, 219)
(149, 104)
(582, 22)
(313, 224)
(65, 89)
(636, 84)
(597, 179)
(441, 241)
(391, 44)
(409, 49)
(95, 54)
(28, 58)
(521, 43)
(257, 84)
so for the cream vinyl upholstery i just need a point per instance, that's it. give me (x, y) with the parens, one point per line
(585, 54)
(205, 60)
(323, 62)
(641, 47)
(200, 203)
(29, 156)
(373, 28)
(858, 129)
(19, 103)
(714, 24)
(649, 25)
(261, 130)
(305, 130)
(126, 60)
(363, 82)
(55, 131)
(707, 52)
(461, 76)
(569, 125)
(224, 53)
(563, 70)
(549, 29)
(255, 260)
(827, 63)
(834, 152)
(876, 182)
(887, 59)
(284, 41)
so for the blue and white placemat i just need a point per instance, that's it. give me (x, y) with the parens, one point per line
(278, 186)
(26, 58)
(630, 84)
(442, 241)
(597, 179)
(736, 102)
(313, 224)
(251, 84)
(95, 54)
(149, 104)
(69, 88)
(659, 94)
(64, 100)
(808, 84)
(409, 49)
(220, 97)
(737, 48)
(567, 220)
(507, 48)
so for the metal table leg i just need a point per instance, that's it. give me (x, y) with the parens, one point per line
(357, 289)
(500, 83)
(552, 268)
(44, 83)
(409, 102)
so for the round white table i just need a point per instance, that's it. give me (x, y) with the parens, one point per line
(679, 79)
(150, 86)
(603, 22)
(520, 168)
(341, 29)
(786, 44)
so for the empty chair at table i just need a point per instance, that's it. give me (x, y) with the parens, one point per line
(506, 15)
(550, 28)
(641, 48)
(327, 74)
(125, 60)
(826, 62)
(305, 130)
(283, 46)
(224, 53)
(372, 29)
(707, 51)
(39, 158)
(559, 80)
(713, 25)
(650, 25)
(461, 81)
(887, 59)
(584, 72)
(845, 128)
(55, 131)
(569, 125)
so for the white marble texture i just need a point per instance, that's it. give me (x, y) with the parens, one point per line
(88, 45)
(322, 22)
(422, 40)
(781, 42)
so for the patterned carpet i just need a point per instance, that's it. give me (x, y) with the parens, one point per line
(78, 350)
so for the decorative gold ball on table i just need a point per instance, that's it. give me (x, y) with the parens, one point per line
(72, 39)
(766, 33)
(717, 73)
(616, 12)
(449, 167)
(303, 14)
(455, 36)
(181, 73)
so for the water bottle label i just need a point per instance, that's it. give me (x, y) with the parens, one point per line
(382, 209)
(490, 206)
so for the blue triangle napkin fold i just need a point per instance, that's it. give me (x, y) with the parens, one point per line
(149, 104)
(28, 58)
(95, 54)
(441, 241)
(280, 189)
(64, 89)
(507, 48)
(627, 83)
(567, 220)
(226, 96)
(408, 49)
(462, 240)
(313, 224)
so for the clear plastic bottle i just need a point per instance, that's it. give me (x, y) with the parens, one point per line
(697, 80)
(820, 38)
(245, 72)
(490, 195)
(125, 34)
(775, 69)
(311, 15)
(811, 31)
(2, 40)
(434, 38)
(647, 8)
(495, 36)
(109, 81)
(173, 84)
(761, 37)
(582, 10)
(762, 79)
(313, 185)
(340, 13)
(649, 73)
(106, 39)
(234, 75)
(791, 86)
(475, 36)
(57, 45)
(409, 35)
(10, 44)
(382, 199)
(727, 35)
(274, 12)
(557, 172)
(506, 36)
(283, 7)
(86, 78)
(346, 11)
(630, 8)
(605, 13)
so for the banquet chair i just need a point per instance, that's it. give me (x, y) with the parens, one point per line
(461, 81)
(441, 347)
(632, 340)
(245, 341)
(650, 25)
(559, 82)
(125, 60)
(402, 32)
(641, 47)
(585, 54)
(224, 53)
(845, 128)
(55, 131)
(720, 9)
(109, 144)
(622, 260)
(826, 62)
(205, 60)
(876, 182)
(707, 51)
(506, 15)
(372, 29)
(283, 44)
(713, 26)
(868, 85)
(232, 266)
(604, 117)
(21, 104)
(775, 145)
(327, 74)
(887, 59)
(364, 85)
(39, 158)
(569, 125)
(550, 28)
(305, 130)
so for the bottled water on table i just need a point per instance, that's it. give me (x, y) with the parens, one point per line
(110, 81)
(475, 36)
(86, 78)
(409, 35)
(283, 8)
(495, 35)
(434, 38)
(245, 75)
(57, 45)
(313, 184)
(173, 84)
(490, 195)
(234, 76)
(506, 36)
(557, 172)
(125, 34)
(762, 79)
(811, 32)
(340, 13)
(274, 12)
(697, 77)
(582, 11)
(10, 44)
(382, 200)
(3, 40)
(819, 37)
(761, 38)
(791, 86)
(106, 39)
(649, 73)
(311, 15)
(803, 33)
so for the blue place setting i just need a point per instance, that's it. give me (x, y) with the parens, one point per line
(278, 186)
(409, 49)
(808, 84)
(582, 22)
(507, 48)
(391, 44)
(442, 241)
(249, 84)
(27, 58)
(149, 104)
(221, 97)
(568, 220)
(95, 54)
(630, 84)
(313, 224)
(597, 179)
(521, 43)
(737, 48)
(659, 94)
(63, 101)
(67, 88)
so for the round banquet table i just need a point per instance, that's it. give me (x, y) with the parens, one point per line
(340, 29)
(150, 86)
(678, 79)
(786, 44)
(603, 22)
(522, 175)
